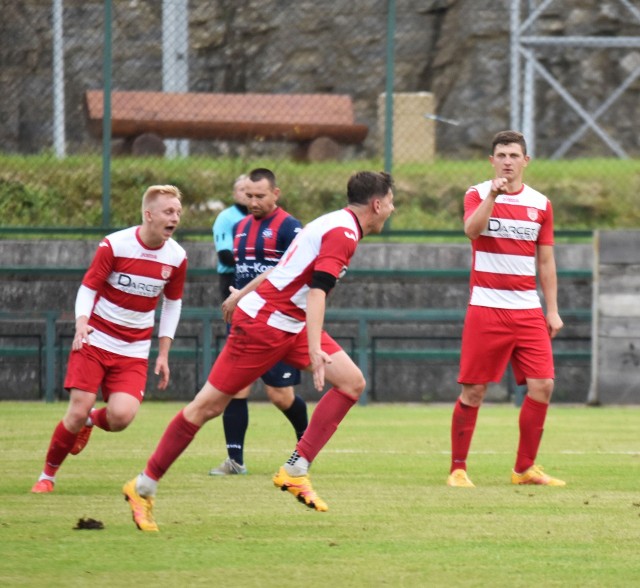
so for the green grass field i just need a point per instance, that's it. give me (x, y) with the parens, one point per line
(392, 520)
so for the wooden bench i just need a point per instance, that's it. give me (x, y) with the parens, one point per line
(299, 118)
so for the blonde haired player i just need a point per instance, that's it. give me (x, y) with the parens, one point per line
(115, 316)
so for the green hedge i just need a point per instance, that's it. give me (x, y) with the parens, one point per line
(41, 191)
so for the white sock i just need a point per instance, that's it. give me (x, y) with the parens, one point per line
(44, 476)
(299, 468)
(89, 422)
(146, 486)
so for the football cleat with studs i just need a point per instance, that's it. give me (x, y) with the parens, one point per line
(535, 475)
(42, 487)
(300, 487)
(459, 479)
(141, 507)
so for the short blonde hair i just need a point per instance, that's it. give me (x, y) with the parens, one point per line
(152, 193)
(240, 178)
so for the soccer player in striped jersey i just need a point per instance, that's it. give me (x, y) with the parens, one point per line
(115, 316)
(511, 230)
(259, 241)
(279, 317)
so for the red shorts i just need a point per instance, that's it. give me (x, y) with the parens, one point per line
(253, 347)
(91, 368)
(494, 336)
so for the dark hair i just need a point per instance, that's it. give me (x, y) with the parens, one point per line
(262, 173)
(365, 185)
(506, 137)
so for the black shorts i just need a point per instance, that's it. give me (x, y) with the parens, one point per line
(281, 375)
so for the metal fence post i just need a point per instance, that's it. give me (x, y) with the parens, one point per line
(106, 120)
(50, 355)
(59, 135)
(207, 342)
(363, 355)
(388, 116)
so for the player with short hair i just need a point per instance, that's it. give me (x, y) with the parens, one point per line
(280, 317)
(115, 316)
(511, 230)
(260, 239)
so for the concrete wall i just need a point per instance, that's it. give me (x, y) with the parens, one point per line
(407, 380)
(616, 324)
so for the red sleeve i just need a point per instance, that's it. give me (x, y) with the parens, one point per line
(471, 201)
(100, 268)
(337, 249)
(175, 285)
(545, 236)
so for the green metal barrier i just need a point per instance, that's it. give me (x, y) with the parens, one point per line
(364, 348)
(431, 273)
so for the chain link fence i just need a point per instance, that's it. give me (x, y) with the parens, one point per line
(200, 91)
(101, 98)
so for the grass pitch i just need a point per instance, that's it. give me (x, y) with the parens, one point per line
(392, 520)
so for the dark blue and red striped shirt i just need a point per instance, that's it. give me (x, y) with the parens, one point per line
(259, 244)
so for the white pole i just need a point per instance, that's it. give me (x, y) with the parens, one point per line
(593, 397)
(515, 64)
(529, 103)
(529, 108)
(59, 138)
(175, 58)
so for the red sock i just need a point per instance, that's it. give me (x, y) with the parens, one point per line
(99, 418)
(328, 414)
(532, 417)
(463, 424)
(174, 441)
(61, 443)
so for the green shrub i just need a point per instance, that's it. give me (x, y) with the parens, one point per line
(39, 191)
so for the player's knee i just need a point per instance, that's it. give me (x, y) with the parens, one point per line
(202, 409)
(356, 386)
(77, 413)
(75, 418)
(119, 420)
(74, 421)
(282, 403)
(282, 398)
(541, 390)
(473, 394)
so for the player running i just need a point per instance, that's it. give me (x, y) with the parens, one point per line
(115, 316)
(279, 317)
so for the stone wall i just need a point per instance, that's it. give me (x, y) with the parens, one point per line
(616, 323)
(456, 49)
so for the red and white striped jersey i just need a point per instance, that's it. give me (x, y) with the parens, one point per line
(503, 271)
(326, 244)
(129, 279)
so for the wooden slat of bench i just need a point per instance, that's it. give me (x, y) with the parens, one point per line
(295, 117)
